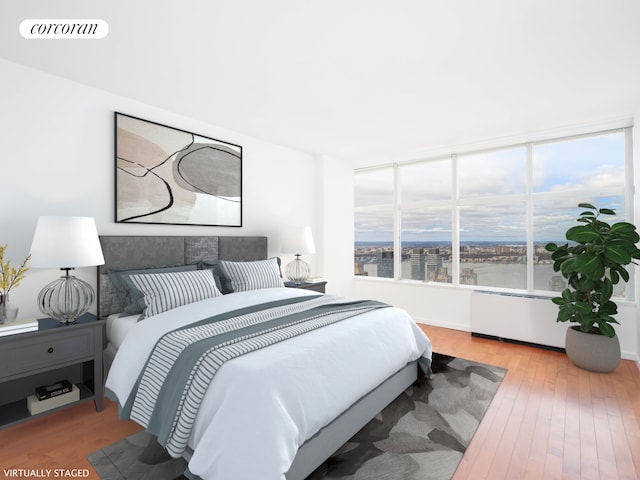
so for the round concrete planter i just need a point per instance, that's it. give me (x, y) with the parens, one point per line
(596, 353)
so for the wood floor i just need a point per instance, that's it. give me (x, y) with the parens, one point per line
(548, 420)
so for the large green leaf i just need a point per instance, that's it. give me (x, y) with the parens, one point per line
(587, 205)
(584, 283)
(567, 294)
(606, 291)
(565, 314)
(583, 307)
(615, 277)
(589, 264)
(607, 329)
(622, 271)
(582, 234)
(586, 214)
(608, 308)
(631, 238)
(617, 252)
(560, 254)
(568, 266)
(623, 227)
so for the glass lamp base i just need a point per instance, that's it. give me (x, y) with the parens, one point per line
(297, 270)
(66, 298)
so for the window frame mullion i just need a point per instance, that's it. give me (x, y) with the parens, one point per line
(397, 225)
(455, 222)
(529, 221)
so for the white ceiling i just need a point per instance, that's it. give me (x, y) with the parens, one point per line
(354, 78)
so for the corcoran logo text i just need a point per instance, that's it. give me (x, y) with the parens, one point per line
(80, 29)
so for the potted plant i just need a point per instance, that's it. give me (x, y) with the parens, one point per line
(10, 277)
(592, 264)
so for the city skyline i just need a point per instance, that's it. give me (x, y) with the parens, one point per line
(488, 264)
(493, 265)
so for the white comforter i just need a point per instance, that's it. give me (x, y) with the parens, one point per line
(262, 406)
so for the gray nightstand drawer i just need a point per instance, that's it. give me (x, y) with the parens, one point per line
(40, 352)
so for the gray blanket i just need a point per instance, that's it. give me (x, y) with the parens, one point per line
(184, 362)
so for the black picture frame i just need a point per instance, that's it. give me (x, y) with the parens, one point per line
(165, 175)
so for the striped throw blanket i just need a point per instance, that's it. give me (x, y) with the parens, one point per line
(183, 363)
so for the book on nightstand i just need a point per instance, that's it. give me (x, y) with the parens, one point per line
(18, 326)
(315, 280)
(53, 390)
(36, 406)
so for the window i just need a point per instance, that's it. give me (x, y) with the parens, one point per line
(493, 218)
(591, 167)
(493, 245)
(425, 220)
(495, 173)
(374, 223)
(483, 218)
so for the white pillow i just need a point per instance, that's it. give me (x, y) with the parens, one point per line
(164, 291)
(252, 275)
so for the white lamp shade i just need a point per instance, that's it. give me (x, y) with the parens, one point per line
(66, 242)
(298, 240)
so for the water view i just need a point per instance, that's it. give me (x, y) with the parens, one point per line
(483, 264)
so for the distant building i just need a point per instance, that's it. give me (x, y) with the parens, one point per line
(418, 264)
(443, 276)
(468, 277)
(358, 269)
(557, 283)
(384, 260)
(434, 264)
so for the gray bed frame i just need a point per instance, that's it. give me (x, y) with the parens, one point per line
(133, 252)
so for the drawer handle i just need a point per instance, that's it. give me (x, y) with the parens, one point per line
(50, 350)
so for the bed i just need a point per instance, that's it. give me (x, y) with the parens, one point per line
(275, 412)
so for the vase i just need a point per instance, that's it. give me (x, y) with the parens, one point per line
(593, 352)
(8, 311)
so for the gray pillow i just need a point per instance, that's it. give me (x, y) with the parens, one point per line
(121, 279)
(253, 275)
(165, 291)
(222, 282)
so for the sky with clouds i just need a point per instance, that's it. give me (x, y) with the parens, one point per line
(493, 190)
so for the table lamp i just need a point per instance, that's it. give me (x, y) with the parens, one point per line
(66, 243)
(298, 240)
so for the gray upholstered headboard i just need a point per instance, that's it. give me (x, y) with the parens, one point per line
(133, 252)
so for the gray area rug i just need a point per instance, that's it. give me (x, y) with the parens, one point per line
(421, 435)
(124, 460)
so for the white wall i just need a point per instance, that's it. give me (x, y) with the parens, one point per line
(335, 180)
(636, 215)
(438, 305)
(58, 159)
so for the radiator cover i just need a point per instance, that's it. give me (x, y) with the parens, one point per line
(522, 318)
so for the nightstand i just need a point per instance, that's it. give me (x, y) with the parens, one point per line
(52, 353)
(315, 286)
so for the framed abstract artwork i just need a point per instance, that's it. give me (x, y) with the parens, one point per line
(170, 176)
